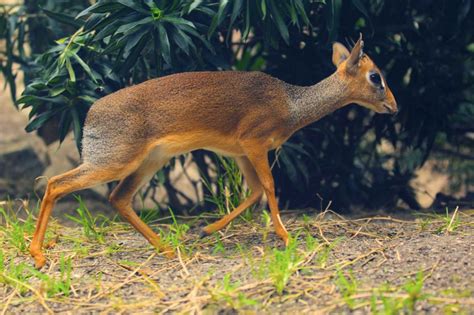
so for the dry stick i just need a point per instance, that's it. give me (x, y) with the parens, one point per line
(468, 301)
(347, 263)
(452, 220)
(147, 279)
(8, 301)
(181, 262)
(322, 236)
(40, 298)
(357, 233)
(126, 281)
(432, 268)
(382, 261)
(311, 255)
(191, 297)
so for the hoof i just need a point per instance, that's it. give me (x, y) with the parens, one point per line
(40, 261)
(284, 237)
(38, 256)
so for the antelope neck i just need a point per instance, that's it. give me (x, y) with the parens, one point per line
(308, 104)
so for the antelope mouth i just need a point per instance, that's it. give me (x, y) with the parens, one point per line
(389, 109)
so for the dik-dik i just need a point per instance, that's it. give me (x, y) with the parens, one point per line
(130, 134)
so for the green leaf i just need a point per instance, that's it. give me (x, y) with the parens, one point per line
(302, 12)
(164, 44)
(88, 99)
(219, 17)
(193, 5)
(100, 7)
(107, 30)
(237, 8)
(332, 12)
(193, 32)
(134, 5)
(99, 21)
(280, 23)
(133, 56)
(263, 6)
(182, 40)
(178, 21)
(26, 99)
(76, 127)
(63, 18)
(131, 27)
(39, 121)
(84, 66)
(246, 32)
(55, 91)
(361, 7)
(133, 40)
(64, 125)
(70, 70)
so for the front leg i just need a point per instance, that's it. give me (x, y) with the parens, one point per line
(258, 156)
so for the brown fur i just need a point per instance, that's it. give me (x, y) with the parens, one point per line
(129, 135)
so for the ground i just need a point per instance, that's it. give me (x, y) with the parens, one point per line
(379, 263)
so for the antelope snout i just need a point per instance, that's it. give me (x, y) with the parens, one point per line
(390, 107)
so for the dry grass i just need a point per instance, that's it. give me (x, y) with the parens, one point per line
(377, 264)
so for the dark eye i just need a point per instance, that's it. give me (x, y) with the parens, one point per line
(376, 79)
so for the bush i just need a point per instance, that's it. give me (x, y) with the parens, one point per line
(425, 48)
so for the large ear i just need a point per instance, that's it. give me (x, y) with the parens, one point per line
(339, 53)
(356, 54)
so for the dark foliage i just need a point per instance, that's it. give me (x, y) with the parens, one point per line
(352, 157)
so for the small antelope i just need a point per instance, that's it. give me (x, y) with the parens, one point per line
(130, 134)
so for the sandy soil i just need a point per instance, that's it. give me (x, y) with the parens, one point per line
(379, 255)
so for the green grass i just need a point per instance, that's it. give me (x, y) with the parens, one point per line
(19, 275)
(282, 264)
(14, 275)
(227, 293)
(229, 190)
(103, 262)
(16, 229)
(348, 286)
(57, 284)
(175, 234)
(446, 223)
(266, 222)
(450, 222)
(93, 226)
(150, 216)
(399, 300)
(323, 254)
(386, 299)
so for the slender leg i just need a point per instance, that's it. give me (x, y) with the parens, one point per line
(257, 191)
(259, 160)
(122, 196)
(79, 178)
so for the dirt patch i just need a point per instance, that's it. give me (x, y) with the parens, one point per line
(380, 263)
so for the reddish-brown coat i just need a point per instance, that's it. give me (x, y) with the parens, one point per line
(131, 134)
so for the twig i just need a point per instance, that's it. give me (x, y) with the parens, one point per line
(35, 292)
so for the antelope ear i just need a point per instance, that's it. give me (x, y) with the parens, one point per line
(356, 54)
(339, 53)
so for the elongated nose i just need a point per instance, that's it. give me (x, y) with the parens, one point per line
(391, 103)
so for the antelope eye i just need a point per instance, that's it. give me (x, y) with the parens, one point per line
(376, 79)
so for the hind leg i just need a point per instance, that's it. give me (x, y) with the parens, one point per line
(82, 177)
(122, 196)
